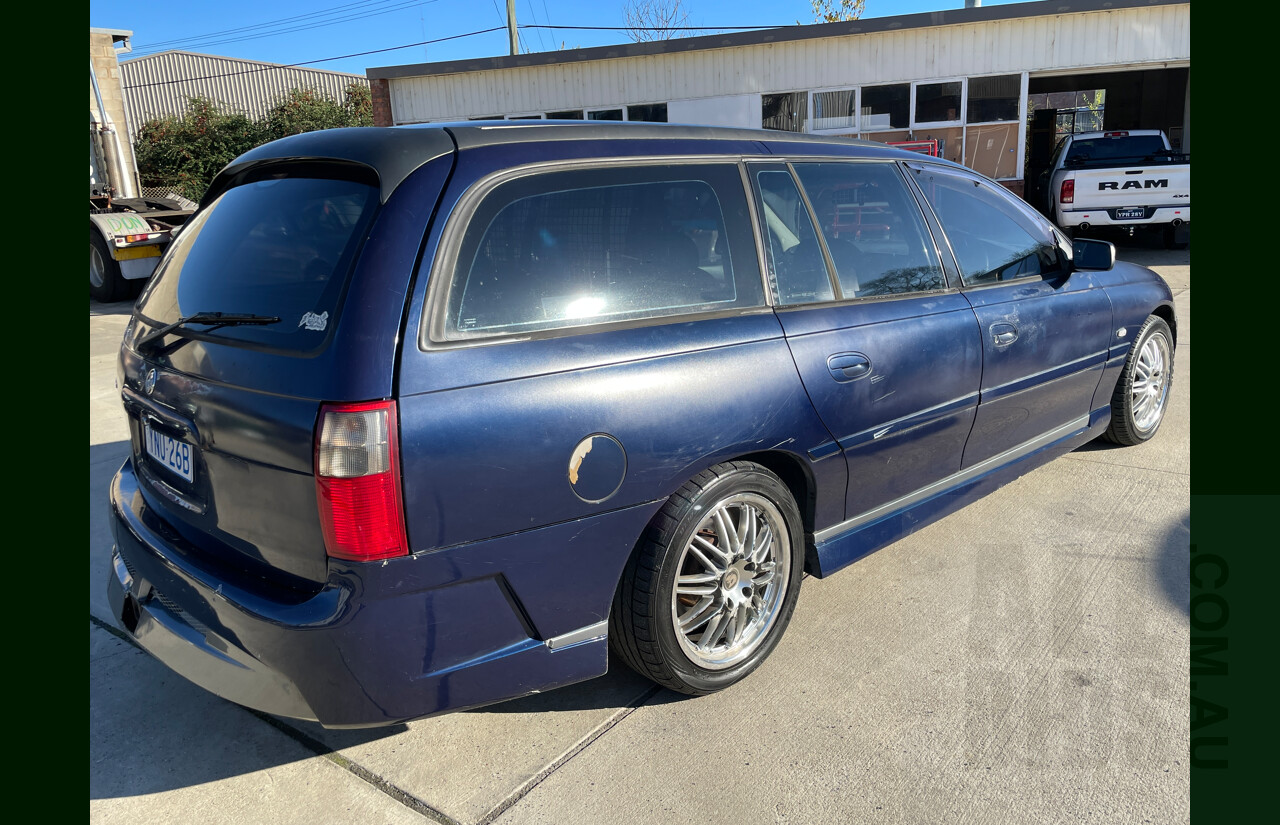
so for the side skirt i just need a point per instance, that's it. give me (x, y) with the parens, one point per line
(842, 544)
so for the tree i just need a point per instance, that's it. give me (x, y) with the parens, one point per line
(655, 19)
(827, 11)
(306, 111)
(186, 152)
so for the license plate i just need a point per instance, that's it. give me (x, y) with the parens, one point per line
(170, 452)
(1131, 213)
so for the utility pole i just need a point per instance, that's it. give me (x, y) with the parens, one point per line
(511, 26)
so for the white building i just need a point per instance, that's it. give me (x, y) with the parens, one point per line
(993, 86)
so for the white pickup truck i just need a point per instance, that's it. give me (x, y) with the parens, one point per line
(1121, 179)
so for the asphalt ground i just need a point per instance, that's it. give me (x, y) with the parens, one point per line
(1023, 660)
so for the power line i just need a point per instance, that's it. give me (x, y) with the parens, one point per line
(267, 24)
(400, 5)
(275, 66)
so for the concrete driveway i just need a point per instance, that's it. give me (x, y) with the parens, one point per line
(1024, 660)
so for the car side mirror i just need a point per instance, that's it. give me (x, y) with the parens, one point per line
(1093, 255)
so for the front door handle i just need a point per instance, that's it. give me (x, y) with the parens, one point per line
(849, 366)
(1002, 335)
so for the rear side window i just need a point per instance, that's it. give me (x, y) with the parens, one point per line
(593, 246)
(873, 229)
(794, 253)
(279, 247)
(995, 236)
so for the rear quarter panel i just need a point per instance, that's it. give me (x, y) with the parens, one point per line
(488, 431)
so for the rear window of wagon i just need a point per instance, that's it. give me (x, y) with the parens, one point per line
(281, 247)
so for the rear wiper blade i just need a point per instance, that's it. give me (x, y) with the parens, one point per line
(213, 320)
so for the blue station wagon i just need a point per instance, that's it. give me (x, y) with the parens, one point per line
(425, 418)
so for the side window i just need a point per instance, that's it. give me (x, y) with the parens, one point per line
(873, 228)
(591, 246)
(796, 265)
(994, 236)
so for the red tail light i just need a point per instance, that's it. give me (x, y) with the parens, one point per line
(357, 466)
(1068, 193)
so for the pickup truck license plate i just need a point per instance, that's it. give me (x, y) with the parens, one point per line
(170, 452)
(1131, 213)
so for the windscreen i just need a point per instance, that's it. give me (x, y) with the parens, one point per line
(281, 247)
(1136, 148)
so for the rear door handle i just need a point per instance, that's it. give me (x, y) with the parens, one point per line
(849, 366)
(1002, 335)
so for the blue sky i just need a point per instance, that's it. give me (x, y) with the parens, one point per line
(290, 31)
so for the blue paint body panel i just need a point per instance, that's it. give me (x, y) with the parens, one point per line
(905, 424)
(1048, 373)
(882, 414)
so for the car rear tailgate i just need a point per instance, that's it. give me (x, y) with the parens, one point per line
(223, 419)
(1154, 185)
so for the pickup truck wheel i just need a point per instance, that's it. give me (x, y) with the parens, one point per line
(105, 281)
(712, 585)
(1142, 393)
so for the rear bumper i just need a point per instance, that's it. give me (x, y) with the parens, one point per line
(380, 643)
(1163, 215)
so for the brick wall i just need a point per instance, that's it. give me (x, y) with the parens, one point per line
(102, 55)
(380, 89)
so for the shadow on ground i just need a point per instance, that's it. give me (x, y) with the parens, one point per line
(1173, 564)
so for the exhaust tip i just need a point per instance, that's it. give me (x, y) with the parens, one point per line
(1084, 227)
(1177, 222)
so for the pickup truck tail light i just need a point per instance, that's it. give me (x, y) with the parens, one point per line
(357, 469)
(1068, 193)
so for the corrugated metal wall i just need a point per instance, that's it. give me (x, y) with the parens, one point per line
(245, 86)
(1124, 37)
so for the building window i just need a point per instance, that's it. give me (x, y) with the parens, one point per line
(570, 114)
(650, 113)
(886, 107)
(938, 102)
(993, 98)
(605, 114)
(786, 112)
(835, 110)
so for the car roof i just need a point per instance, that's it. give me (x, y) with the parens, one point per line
(393, 153)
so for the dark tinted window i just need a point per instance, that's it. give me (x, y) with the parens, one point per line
(872, 227)
(994, 98)
(651, 112)
(886, 107)
(605, 114)
(570, 114)
(1112, 149)
(276, 247)
(795, 257)
(785, 112)
(936, 102)
(995, 236)
(594, 246)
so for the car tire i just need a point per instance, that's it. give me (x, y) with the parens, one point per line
(105, 281)
(692, 574)
(1141, 396)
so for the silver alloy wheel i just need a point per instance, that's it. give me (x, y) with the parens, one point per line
(730, 581)
(1150, 386)
(97, 268)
